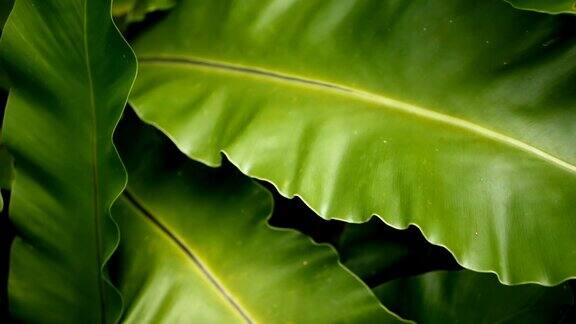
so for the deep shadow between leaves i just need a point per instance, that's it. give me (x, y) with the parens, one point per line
(410, 253)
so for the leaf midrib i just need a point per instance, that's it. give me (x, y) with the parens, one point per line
(95, 172)
(208, 276)
(359, 94)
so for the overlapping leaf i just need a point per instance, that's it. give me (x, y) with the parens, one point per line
(456, 115)
(5, 158)
(70, 73)
(196, 249)
(469, 297)
(394, 263)
(378, 253)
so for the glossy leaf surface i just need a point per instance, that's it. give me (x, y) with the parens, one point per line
(196, 248)
(71, 72)
(547, 6)
(469, 297)
(454, 115)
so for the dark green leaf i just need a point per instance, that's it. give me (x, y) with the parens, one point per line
(71, 72)
(6, 171)
(5, 8)
(388, 259)
(468, 297)
(378, 253)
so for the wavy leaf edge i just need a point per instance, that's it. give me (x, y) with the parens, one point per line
(426, 235)
(118, 158)
(131, 70)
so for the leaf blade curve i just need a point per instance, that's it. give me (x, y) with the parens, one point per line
(197, 248)
(459, 173)
(68, 88)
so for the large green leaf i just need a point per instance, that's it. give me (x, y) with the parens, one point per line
(455, 115)
(71, 72)
(547, 6)
(196, 249)
(469, 297)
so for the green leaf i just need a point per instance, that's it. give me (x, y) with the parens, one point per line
(457, 116)
(468, 297)
(196, 248)
(71, 72)
(136, 10)
(547, 6)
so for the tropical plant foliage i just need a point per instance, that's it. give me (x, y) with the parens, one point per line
(263, 161)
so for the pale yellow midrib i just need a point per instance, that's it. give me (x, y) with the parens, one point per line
(359, 94)
(190, 255)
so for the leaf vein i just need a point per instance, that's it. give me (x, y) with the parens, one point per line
(95, 171)
(191, 255)
(358, 94)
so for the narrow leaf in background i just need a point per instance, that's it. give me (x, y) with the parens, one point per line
(470, 297)
(71, 72)
(196, 248)
(6, 171)
(378, 253)
(6, 232)
(403, 272)
(457, 116)
(547, 6)
(6, 174)
(136, 10)
(6, 177)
